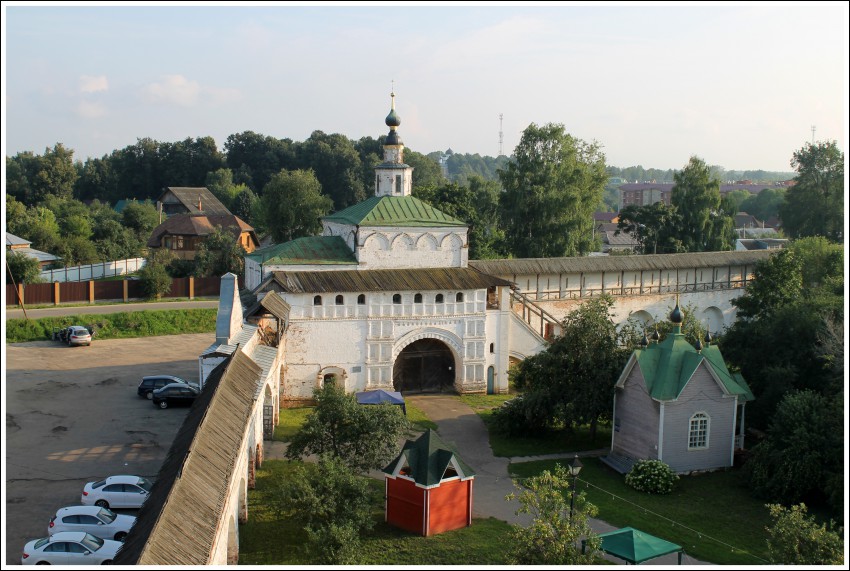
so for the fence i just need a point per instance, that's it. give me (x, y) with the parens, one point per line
(93, 271)
(124, 290)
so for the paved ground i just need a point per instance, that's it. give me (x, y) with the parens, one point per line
(100, 309)
(73, 416)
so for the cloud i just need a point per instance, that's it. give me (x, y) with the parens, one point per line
(174, 90)
(90, 110)
(182, 92)
(93, 83)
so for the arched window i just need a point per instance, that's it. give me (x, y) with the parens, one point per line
(340, 300)
(459, 297)
(361, 299)
(439, 298)
(698, 431)
(317, 300)
(417, 298)
(397, 298)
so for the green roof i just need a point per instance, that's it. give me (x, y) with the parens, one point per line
(312, 250)
(636, 546)
(667, 367)
(428, 458)
(393, 211)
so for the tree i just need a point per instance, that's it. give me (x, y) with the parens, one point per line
(814, 206)
(333, 505)
(550, 193)
(777, 281)
(32, 178)
(556, 531)
(796, 539)
(572, 381)
(654, 226)
(336, 164)
(155, 280)
(255, 158)
(707, 225)
(427, 173)
(21, 269)
(141, 218)
(363, 437)
(765, 204)
(220, 253)
(244, 205)
(292, 205)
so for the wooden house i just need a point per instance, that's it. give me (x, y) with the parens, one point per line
(184, 233)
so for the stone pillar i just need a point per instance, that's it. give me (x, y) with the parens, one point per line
(126, 291)
(91, 291)
(191, 287)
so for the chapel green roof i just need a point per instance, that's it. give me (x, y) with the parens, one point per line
(428, 457)
(668, 366)
(311, 250)
(393, 211)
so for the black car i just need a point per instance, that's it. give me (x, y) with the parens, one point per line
(153, 382)
(176, 394)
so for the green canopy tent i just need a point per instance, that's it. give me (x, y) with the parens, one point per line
(636, 546)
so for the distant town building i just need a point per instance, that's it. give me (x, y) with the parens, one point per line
(646, 193)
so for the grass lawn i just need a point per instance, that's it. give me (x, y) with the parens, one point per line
(727, 525)
(265, 540)
(554, 442)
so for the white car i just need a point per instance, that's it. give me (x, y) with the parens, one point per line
(70, 548)
(117, 492)
(98, 521)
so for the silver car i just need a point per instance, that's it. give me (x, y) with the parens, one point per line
(100, 522)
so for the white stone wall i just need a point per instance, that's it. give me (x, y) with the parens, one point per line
(393, 181)
(345, 231)
(390, 247)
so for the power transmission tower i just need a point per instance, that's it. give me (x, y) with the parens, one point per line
(501, 136)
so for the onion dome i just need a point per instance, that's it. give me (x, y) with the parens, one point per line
(393, 120)
(645, 341)
(655, 336)
(677, 316)
(393, 138)
(698, 345)
(708, 338)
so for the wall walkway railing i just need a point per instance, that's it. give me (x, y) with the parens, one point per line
(540, 320)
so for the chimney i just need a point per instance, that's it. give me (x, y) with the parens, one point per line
(199, 203)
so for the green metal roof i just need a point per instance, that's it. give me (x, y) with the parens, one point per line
(312, 250)
(668, 366)
(428, 457)
(393, 211)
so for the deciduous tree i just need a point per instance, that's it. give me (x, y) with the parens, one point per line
(796, 539)
(814, 206)
(293, 204)
(21, 269)
(551, 190)
(707, 224)
(220, 253)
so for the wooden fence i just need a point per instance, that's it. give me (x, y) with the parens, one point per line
(92, 291)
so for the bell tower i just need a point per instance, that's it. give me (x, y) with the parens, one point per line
(393, 177)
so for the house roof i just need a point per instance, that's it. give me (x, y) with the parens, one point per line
(12, 240)
(311, 250)
(198, 225)
(669, 365)
(428, 457)
(393, 211)
(18, 245)
(191, 488)
(422, 279)
(618, 263)
(189, 196)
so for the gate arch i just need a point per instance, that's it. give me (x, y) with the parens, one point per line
(427, 361)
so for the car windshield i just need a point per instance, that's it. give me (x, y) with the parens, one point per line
(41, 542)
(98, 484)
(91, 542)
(106, 515)
(144, 484)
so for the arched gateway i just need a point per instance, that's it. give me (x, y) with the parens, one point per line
(425, 366)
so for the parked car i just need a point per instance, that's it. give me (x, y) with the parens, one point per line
(152, 382)
(116, 492)
(176, 394)
(70, 548)
(73, 335)
(100, 522)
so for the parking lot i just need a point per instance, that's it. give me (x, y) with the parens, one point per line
(73, 416)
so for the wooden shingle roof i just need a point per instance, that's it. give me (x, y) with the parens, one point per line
(199, 225)
(174, 526)
(190, 196)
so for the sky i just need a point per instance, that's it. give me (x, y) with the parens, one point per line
(740, 86)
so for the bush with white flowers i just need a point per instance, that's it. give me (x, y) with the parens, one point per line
(652, 477)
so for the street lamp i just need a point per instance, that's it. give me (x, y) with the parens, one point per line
(574, 467)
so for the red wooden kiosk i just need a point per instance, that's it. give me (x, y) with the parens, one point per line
(428, 488)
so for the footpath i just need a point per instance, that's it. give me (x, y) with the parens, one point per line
(461, 428)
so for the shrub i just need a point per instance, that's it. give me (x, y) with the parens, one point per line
(651, 477)
(155, 280)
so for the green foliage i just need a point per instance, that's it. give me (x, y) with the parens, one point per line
(814, 206)
(336, 165)
(31, 179)
(765, 204)
(293, 204)
(363, 437)
(776, 282)
(154, 277)
(796, 539)
(334, 507)
(76, 251)
(557, 528)
(802, 453)
(122, 325)
(141, 218)
(220, 253)
(550, 193)
(463, 167)
(655, 227)
(427, 172)
(572, 381)
(255, 158)
(21, 269)
(707, 223)
(651, 477)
